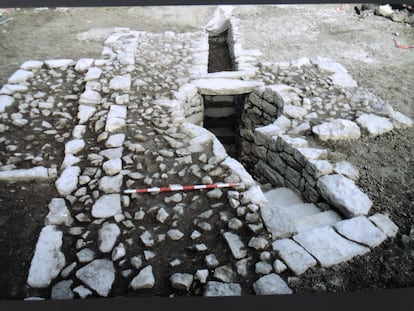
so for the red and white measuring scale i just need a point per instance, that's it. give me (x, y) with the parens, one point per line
(182, 188)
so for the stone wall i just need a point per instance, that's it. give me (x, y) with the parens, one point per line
(276, 150)
(262, 107)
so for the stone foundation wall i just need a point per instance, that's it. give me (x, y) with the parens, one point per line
(262, 107)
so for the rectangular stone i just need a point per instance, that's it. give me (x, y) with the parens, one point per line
(293, 176)
(295, 257)
(384, 223)
(270, 174)
(235, 244)
(255, 99)
(344, 194)
(276, 162)
(269, 108)
(328, 247)
(326, 218)
(311, 193)
(260, 152)
(290, 161)
(309, 178)
(288, 144)
(318, 168)
(361, 230)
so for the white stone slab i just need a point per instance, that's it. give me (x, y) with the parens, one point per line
(328, 247)
(385, 224)
(85, 112)
(90, 97)
(107, 236)
(38, 172)
(112, 167)
(74, 146)
(112, 153)
(48, 259)
(235, 244)
(111, 184)
(32, 64)
(295, 257)
(59, 63)
(313, 153)
(21, 76)
(294, 112)
(338, 129)
(322, 219)
(114, 124)
(107, 206)
(115, 140)
(120, 83)
(58, 213)
(374, 124)
(5, 101)
(271, 284)
(342, 193)
(237, 169)
(360, 229)
(225, 86)
(347, 169)
(83, 64)
(254, 195)
(277, 222)
(144, 279)
(98, 275)
(300, 210)
(400, 120)
(217, 289)
(69, 160)
(10, 89)
(283, 197)
(68, 180)
(93, 73)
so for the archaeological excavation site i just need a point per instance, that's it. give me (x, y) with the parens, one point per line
(205, 151)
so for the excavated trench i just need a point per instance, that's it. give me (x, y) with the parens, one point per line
(219, 56)
(222, 113)
(222, 117)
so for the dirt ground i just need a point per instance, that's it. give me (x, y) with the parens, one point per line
(364, 46)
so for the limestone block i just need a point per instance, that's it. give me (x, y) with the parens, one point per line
(338, 129)
(328, 247)
(296, 258)
(342, 193)
(374, 124)
(360, 229)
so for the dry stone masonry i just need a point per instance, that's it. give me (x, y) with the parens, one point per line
(132, 118)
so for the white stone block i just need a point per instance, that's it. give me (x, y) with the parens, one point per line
(328, 247)
(360, 229)
(48, 259)
(374, 124)
(338, 129)
(107, 206)
(296, 258)
(342, 193)
(21, 76)
(385, 224)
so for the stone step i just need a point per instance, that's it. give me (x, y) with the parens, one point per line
(328, 247)
(222, 131)
(327, 218)
(301, 210)
(283, 197)
(219, 112)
